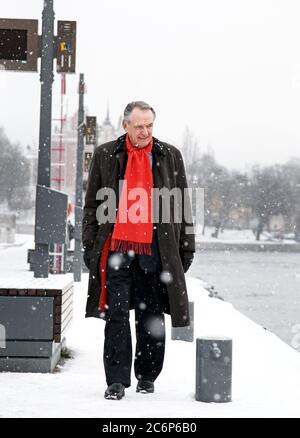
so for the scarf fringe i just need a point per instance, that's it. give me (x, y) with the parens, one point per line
(127, 245)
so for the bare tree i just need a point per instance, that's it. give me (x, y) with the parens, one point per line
(191, 154)
(14, 174)
(271, 195)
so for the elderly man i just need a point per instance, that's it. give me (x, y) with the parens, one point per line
(135, 260)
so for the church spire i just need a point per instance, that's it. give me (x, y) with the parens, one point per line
(107, 120)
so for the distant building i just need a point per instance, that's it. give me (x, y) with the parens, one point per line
(108, 132)
(105, 132)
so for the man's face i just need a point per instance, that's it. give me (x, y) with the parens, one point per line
(140, 126)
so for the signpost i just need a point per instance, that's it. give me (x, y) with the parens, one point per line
(79, 177)
(19, 44)
(91, 130)
(66, 46)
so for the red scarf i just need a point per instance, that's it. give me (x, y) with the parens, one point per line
(127, 234)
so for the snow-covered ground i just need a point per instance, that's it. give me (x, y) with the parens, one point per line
(266, 371)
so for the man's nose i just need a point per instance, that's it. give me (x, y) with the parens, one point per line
(145, 130)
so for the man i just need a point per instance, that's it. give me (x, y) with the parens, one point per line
(135, 260)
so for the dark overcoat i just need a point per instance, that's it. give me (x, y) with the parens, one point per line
(107, 168)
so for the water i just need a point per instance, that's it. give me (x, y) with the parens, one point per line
(265, 286)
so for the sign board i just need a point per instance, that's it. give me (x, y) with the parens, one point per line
(91, 129)
(18, 44)
(66, 46)
(51, 215)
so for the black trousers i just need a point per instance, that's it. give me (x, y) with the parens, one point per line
(148, 298)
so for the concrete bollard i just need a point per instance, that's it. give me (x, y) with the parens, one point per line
(213, 369)
(185, 333)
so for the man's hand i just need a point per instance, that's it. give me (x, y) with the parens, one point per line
(186, 259)
(87, 255)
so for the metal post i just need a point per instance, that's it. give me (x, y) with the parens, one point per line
(213, 369)
(41, 268)
(77, 264)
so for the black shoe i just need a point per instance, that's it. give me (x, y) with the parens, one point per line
(145, 386)
(115, 391)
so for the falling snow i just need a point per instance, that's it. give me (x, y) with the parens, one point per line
(166, 277)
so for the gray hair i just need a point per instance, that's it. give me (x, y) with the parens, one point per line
(138, 104)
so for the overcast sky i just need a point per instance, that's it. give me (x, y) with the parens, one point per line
(228, 69)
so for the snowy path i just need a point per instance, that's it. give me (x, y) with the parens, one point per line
(266, 371)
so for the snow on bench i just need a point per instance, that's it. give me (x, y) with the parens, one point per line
(35, 314)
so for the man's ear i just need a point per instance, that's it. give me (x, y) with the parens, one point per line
(124, 125)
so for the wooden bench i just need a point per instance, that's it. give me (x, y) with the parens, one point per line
(35, 314)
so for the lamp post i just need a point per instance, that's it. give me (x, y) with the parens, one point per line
(41, 256)
(79, 178)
